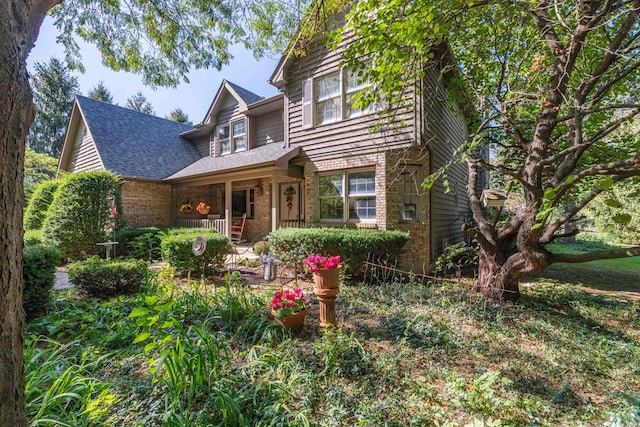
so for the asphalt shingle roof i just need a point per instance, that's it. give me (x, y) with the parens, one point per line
(247, 96)
(267, 155)
(137, 145)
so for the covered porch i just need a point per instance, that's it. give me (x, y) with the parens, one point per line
(258, 185)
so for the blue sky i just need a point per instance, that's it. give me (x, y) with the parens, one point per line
(194, 97)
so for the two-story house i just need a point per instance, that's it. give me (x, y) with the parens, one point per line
(305, 157)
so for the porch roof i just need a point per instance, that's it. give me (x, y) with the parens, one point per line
(269, 155)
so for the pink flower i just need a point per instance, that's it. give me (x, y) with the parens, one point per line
(314, 262)
(114, 210)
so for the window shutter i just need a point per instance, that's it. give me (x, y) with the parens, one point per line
(307, 104)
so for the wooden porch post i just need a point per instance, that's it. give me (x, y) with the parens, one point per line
(275, 202)
(227, 207)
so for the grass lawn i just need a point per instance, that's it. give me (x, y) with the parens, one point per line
(404, 355)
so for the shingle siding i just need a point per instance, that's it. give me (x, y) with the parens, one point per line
(85, 155)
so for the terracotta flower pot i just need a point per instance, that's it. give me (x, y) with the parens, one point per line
(327, 279)
(291, 322)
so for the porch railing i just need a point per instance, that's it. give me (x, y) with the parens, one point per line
(220, 225)
(292, 223)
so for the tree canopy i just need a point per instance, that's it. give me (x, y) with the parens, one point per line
(37, 168)
(549, 83)
(177, 115)
(101, 93)
(54, 87)
(138, 102)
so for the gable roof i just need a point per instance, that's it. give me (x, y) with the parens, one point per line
(243, 96)
(133, 144)
(263, 156)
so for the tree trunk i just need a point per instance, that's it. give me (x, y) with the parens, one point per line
(19, 25)
(496, 278)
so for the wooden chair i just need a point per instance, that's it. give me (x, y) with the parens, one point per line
(236, 230)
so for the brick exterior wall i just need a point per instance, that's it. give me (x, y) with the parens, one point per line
(388, 165)
(146, 203)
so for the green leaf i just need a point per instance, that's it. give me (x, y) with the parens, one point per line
(150, 346)
(622, 219)
(605, 183)
(613, 203)
(550, 194)
(166, 324)
(150, 301)
(536, 226)
(166, 306)
(142, 337)
(140, 311)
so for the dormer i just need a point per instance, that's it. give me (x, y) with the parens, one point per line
(238, 120)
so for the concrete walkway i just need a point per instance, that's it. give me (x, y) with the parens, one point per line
(240, 251)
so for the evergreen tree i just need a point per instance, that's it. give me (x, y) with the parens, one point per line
(138, 102)
(53, 90)
(37, 168)
(101, 93)
(179, 116)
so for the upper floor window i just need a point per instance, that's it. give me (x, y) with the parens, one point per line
(332, 97)
(232, 137)
(347, 195)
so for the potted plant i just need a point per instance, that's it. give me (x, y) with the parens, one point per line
(289, 308)
(326, 277)
(203, 208)
(326, 270)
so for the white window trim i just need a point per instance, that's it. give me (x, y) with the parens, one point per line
(344, 95)
(232, 138)
(345, 196)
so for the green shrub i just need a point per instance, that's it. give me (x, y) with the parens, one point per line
(291, 245)
(39, 204)
(33, 237)
(261, 247)
(79, 217)
(176, 250)
(140, 243)
(107, 278)
(39, 269)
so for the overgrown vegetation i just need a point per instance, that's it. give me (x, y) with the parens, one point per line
(405, 354)
(291, 245)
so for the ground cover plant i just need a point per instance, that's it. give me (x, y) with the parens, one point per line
(404, 354)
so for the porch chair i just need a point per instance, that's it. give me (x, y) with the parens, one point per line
(236, 230)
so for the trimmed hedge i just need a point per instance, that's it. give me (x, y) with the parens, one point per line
(79, 217)
(39, 270)
(39, 204)
(108, 278)
(291, 245)
(176, 250)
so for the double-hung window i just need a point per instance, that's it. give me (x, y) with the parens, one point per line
(410, 185)
(232, 137)
(347, 196)
(333, 96)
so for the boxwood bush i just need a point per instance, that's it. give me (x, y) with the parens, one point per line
(108, 278)
(291, 245)
(176, 250)
(39, 270)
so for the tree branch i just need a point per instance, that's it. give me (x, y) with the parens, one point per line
(592, 256)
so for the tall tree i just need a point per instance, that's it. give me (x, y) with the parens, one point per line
(550, 81)
(179, 116)
(162, 43)
(53, 90)
(101, 93)
(138, 102)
